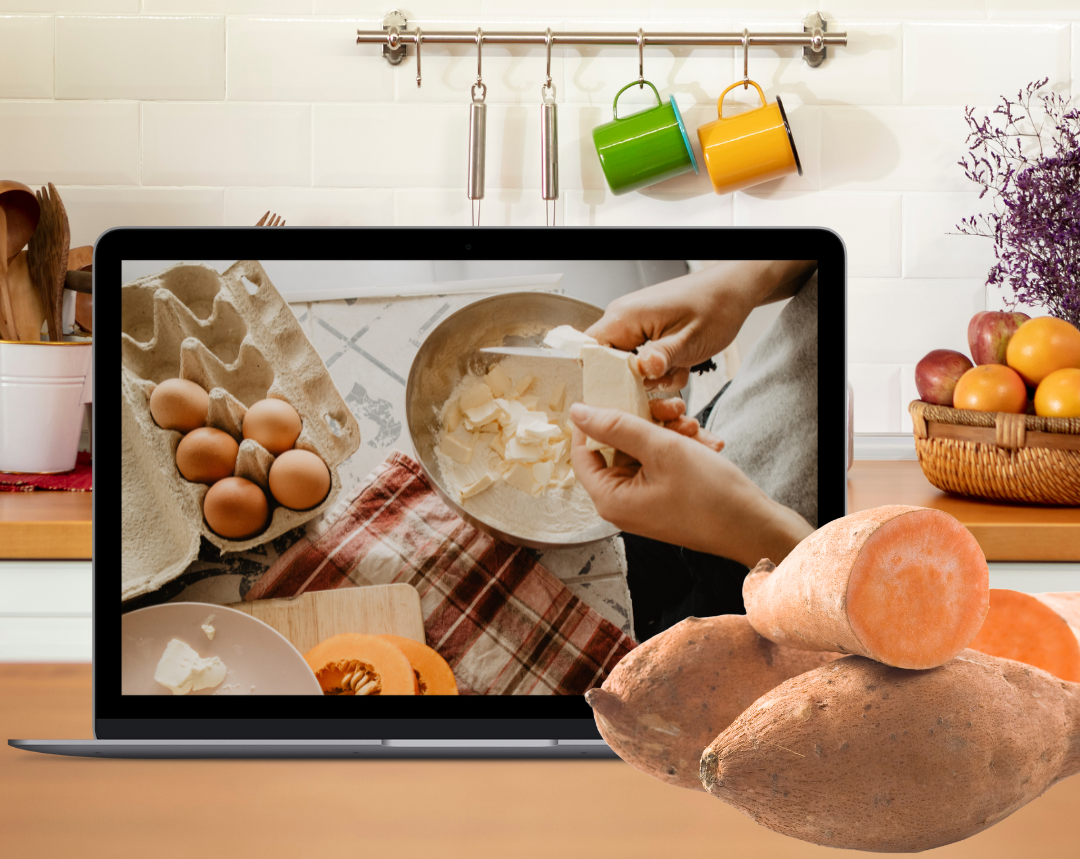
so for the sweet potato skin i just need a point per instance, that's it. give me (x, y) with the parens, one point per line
(805, 603)
(670, 696)
(864, 756)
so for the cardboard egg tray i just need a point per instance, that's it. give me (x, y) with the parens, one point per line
(234, 335)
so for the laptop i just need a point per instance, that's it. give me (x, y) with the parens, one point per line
(347, 271)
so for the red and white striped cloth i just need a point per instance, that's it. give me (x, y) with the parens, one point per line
(502, 621)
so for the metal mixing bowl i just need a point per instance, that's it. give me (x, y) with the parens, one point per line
(452, 351)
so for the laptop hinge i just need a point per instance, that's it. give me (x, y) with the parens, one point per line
(468, 743)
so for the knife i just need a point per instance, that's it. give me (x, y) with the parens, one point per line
(528, 352)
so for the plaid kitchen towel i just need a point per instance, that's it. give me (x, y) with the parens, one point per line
(504, 623)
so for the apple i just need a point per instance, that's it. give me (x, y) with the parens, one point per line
(989, 332)
(938, 372)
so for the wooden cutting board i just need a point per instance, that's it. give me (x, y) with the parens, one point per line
(310, 618)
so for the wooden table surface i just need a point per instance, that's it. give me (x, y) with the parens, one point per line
(1006, 532)
(44, 524)
(73, 807)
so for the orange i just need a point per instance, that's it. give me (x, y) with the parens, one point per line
(1040, 346)
(1058, 395)
(991, 388)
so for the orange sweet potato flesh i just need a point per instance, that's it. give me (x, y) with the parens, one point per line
(1022, 627)
(907, 586)
(669, 697)
(433, 674)
(865, 756)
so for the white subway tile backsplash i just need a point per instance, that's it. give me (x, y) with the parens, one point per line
(78, 6)
(611, 9)
(1075, 59)
(838, 12)
(92, 211)
(229, 7)
(977, 63)
(94, 143)
(908, 392)
(143, 57)
(438, 207)
(869, 224)
(305, 60)
(579, 166)
(226, 144)
(430, 9)
(897, 321)
(646, 208)
(1032, 9)
(933, 246)
(312, 207)
(893, 148)
(26, 56)
(877, 396)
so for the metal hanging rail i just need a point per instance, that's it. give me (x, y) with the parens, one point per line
(394, 37)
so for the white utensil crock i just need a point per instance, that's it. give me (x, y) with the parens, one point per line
(41, 405)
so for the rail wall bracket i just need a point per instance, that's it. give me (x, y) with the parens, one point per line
(393, 24)
(815, 26)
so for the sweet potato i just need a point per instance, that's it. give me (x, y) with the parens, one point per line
(865, 756)
(669, 697)
(1026, 628)
(907, 586)
(1065, 604)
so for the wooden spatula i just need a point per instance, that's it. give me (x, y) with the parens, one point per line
(7, 316)
(48, 258)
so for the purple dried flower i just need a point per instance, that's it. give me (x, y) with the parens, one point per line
(1030, 161)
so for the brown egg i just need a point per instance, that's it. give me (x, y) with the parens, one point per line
(299, 479)
(236, 508)
(206, 455)
(178, 404)
(274, 424)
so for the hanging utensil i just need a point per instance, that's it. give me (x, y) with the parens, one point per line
(477, 134)
(48, 258)
(549, 142)
(745, 58)
(419, 39)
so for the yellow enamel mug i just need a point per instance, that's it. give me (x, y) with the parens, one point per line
(748, 148)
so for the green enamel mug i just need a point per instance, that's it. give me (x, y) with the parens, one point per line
(645, 147)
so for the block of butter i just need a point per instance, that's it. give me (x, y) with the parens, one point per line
(611, 381)
(182, 670)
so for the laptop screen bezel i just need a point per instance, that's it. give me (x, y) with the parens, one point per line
(118, 716)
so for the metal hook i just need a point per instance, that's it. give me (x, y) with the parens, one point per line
(641, 58)
(745, 59)
(547, 91)
(419, 39)
(479, 85)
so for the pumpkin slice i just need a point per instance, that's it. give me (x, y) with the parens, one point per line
(432, 671)
(353, 664)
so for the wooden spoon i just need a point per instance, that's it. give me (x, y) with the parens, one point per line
(22, 211)
(7, 316)
(48, 258)
(28, 314)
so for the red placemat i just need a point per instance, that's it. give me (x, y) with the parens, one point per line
(503, 622)
(79, 479)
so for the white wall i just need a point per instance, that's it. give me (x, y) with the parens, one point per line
(207, 112)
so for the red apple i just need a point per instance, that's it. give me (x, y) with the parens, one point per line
(938, 372)
(989, 332)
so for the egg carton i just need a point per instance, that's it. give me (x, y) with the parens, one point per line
(234, 335)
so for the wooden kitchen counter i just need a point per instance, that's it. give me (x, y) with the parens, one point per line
(44, 524)
(65, 807)
(1006, 532)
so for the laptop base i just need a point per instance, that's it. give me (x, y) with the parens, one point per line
(364, 749)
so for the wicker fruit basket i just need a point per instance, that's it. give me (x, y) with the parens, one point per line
(998, 455)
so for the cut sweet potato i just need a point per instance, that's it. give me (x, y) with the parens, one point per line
(1022, 627)
(907, 586)
(669, 697)
(864, 756)
(433, 675)
(353, 664)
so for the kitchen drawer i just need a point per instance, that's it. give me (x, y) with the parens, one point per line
(45, 639)
(45, 589)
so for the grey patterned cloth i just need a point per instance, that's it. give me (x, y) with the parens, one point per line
(768, 415)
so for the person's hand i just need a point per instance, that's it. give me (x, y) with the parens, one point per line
(685, 321)
(667, 486)
(671, 413)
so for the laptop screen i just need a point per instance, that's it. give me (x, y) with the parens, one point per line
(330, 491)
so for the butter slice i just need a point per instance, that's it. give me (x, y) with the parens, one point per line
(536, 429)
(458, 450)
(522, 386)
(542, 472)
(520, 477)
(477, 487)
(611, 381)
(482, 414)
(518, 452)
(528, 402)
(498, 445)
(477, 395)
(182, 670)
(498, 381)
(558, 399)
(568, 339)
(453, 417)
